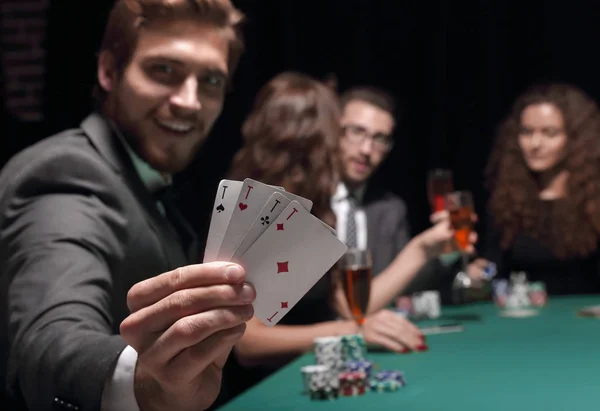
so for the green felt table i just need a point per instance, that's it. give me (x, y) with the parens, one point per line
(547, 362)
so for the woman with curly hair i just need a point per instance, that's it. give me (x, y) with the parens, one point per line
(291, 140)
(544, 181)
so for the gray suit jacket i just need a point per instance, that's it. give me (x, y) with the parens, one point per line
(77, 229)
(388, 230)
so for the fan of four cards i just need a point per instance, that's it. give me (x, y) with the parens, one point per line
(284, 249)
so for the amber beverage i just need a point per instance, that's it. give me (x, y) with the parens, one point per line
(357, 288)
(462, 223)
(356, 281)
(439, 184)
(460, 206)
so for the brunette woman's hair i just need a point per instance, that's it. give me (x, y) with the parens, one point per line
(514, 201)
(291, 140)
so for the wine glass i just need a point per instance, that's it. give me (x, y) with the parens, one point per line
(439, 183)
(460, 207)
(356, 280)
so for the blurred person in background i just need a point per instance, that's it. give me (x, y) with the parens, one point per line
(544, 182)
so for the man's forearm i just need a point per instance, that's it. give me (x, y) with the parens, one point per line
(62, 363)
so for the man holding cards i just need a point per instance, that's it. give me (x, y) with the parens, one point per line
(87, 229)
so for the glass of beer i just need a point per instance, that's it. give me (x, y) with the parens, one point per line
(439, 184)
(460, 207)
(356, 280)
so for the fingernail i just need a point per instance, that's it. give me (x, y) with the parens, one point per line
(422, 337)
(247, 293)
(404, 350)
(233, 273)
(422, 347)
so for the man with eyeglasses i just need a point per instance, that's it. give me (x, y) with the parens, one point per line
(368, 216)
(376, 221)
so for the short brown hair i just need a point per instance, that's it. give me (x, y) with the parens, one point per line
(371, 95)
(128, 16)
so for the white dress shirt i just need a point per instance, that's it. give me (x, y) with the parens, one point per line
(119, 394)
(340, 206)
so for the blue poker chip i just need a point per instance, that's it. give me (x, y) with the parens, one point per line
(359, 365)
(390, 375)
(490, 271)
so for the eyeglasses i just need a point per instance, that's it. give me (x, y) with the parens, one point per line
(358, 135)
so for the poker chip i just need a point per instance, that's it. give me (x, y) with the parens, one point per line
(323, 394)
(328, 351)
(353, 347)
(500, 291)
(385, 385)
(490, 271)
(390, 375)
(316, 377)
(426, 304)
(537, 294)
(353, 383)
(404, 305)
(359, 365)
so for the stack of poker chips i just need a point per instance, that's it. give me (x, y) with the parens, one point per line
(328, 351)
(363, 366)
(537, 294)
(387, 381)
(318, 382)
(518, 293)
(342, 369)
(354, 347)
(353, 383)
(500, 292)
(426, 304)
(421, 305)
(404, 305)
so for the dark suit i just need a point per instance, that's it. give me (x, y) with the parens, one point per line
(77, 229)
(388, 230)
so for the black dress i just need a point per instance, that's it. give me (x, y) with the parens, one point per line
(575, 275)
(313, 308)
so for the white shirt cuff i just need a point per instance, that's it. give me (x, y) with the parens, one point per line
(118, 394)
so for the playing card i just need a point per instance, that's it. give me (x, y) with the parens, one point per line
(591, 311)
(286, 261)
(331, 229)
(225, 199)
(441, 329)
(519, 313)
(251, 199)
(271, 210)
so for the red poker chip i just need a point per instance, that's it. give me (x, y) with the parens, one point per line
(352, 376)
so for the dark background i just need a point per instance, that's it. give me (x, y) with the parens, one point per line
(456, 66)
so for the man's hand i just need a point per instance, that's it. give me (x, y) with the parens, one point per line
(433, 239)
(394, 332)
(183, 325)
(476, 270)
